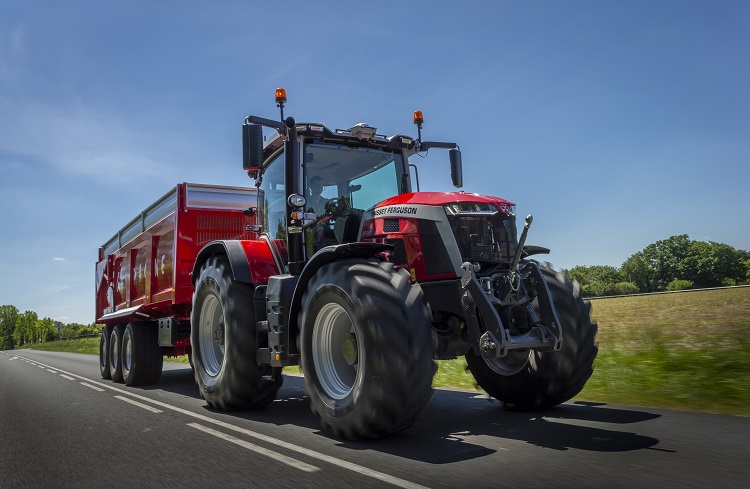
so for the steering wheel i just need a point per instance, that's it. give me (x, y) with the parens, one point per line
(331, 206)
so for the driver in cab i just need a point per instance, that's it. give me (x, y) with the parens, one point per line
(316, 203)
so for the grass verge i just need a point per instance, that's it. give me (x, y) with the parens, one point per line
(77, 345)
(685, 351)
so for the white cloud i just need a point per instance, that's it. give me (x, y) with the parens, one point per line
(76, 140)
(81, 142)
(57, 258)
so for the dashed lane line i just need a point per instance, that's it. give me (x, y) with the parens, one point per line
(140, 405)
(292, 462)
(67, 377)
(92, 387)
(389, 479)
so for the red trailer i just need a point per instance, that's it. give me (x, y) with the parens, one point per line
(143, 274)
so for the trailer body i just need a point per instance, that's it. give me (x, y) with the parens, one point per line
(143, 272)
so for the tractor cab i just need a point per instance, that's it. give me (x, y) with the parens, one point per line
(316, 183)
(341, 177)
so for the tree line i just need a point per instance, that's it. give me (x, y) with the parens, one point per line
(21, 328)
(676, 263)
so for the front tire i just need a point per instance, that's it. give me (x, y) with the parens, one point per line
(223, 338)
(367, 349)
(547, 378)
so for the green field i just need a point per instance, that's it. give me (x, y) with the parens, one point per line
(685, 350)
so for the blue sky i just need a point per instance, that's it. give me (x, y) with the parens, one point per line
(616, 124)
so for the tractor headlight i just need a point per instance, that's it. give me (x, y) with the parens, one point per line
(470, 209)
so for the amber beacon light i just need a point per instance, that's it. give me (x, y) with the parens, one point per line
(280, 101)
(418, 119)
(280, 96)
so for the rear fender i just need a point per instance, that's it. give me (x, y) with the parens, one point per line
(251, 261)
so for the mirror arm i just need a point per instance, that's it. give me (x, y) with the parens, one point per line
(424, 146)
(279, 126)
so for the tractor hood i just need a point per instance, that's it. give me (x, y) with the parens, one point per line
(443, 198)
(436, 232)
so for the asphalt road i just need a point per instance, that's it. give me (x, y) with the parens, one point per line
(61, 425)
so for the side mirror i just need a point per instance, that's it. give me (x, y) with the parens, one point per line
(252, 147)
(456, 171)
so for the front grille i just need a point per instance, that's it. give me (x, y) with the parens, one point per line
(390, 225)
(486, 237)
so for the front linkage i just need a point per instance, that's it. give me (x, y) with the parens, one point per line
(500, 308)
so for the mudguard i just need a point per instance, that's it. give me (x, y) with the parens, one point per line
(251, 261)
(327, 255)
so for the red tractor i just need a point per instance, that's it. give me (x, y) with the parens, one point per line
(364, 283)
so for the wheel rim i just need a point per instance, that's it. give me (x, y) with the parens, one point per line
(103, 361)
(127, 354)
(212, 335)
(511, 364)
(335, 351)
(114, 351)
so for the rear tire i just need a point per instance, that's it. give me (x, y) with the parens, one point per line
(223, 339)
(547, 378)
(104, 369)
(367, 349)
(142, 358)
(115, 353)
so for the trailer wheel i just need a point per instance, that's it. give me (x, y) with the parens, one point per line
(104, 353)
(545, 379)
(367, 349)
(115, 352)
(223, 338)
(142, 358)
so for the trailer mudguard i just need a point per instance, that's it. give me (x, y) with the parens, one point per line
(251, 261)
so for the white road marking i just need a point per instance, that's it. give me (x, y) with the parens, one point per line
(66, 377)
(313, 454)
(92, 387)
(269, 439)
(41, 366)
(50, 370)
(140, 405)
(258, 449)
